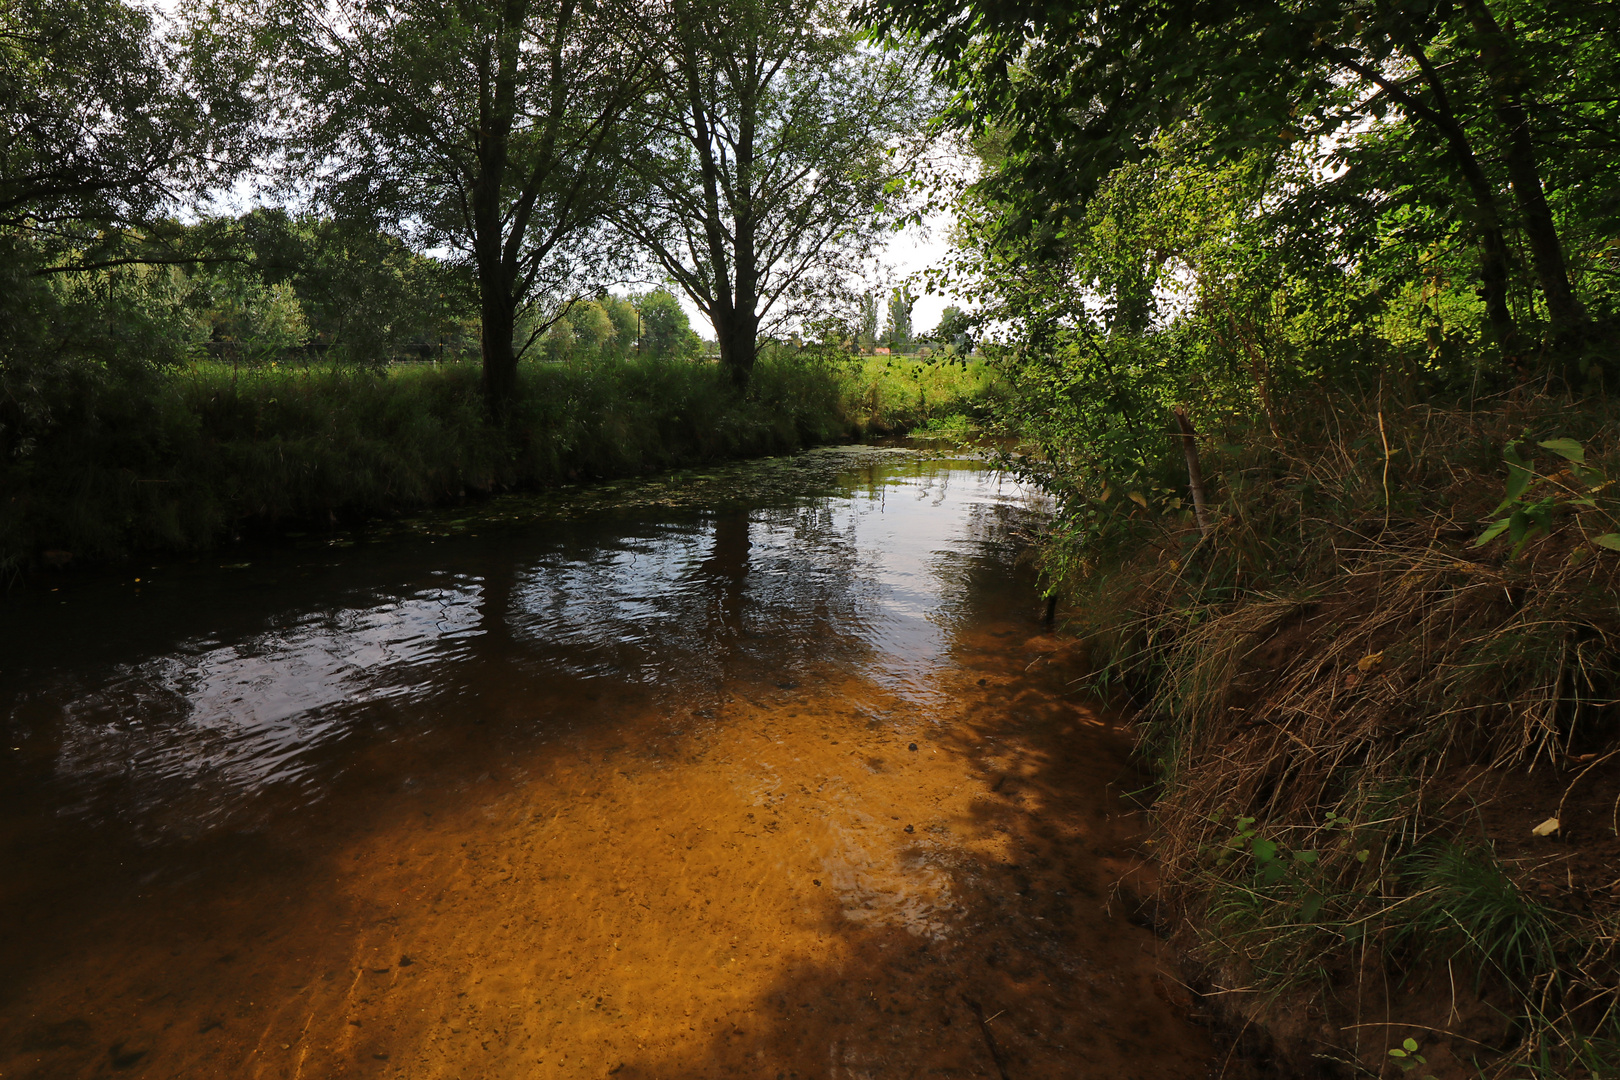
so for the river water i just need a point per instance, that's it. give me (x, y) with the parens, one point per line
(764, 771)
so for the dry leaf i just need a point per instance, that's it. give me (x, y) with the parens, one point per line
(1546, 828)
(1371, 662)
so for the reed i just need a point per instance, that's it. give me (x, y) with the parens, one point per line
(181, 459)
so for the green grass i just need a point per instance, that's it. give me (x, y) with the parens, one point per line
(178, 460)
(899, 394)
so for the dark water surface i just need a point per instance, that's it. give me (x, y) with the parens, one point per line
(762, 771)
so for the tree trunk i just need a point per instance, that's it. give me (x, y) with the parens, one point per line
(1568, 317)
(500, 359)
(497, 66)
(1195, 471)
(738, 333)
(1493, 249)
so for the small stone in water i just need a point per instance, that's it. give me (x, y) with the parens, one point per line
(909, 829)
(913, 746)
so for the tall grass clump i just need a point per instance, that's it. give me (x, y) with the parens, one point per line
(896, 394)
(1380, 694)
(140, 458)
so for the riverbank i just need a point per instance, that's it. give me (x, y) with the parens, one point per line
(1386, 753)
(181, 460)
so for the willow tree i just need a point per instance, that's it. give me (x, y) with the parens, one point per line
(776, 151)
(108, 127)
(478, 126)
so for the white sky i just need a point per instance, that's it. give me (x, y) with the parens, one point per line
(914, 251)
(910, 252)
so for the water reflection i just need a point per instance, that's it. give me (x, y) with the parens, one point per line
(859, 572)
(229, 718)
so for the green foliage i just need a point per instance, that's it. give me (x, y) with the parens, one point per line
(1407, 1057)
(778, 152)
(890, 394)
(367, 297)
(955, 331)
(1531, 499)
(1454, 124)
(135, 458)
(666, 332)
(1336, 651)
(486, 131)
(867, 321)
(1466, 903)
(106, 121)
(626, 324)
(70, 341)
(897, 330)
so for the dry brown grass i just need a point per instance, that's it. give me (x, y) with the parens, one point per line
(1337, 671)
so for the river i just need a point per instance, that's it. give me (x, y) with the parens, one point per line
(769, 770)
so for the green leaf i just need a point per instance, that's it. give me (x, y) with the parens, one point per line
(1273, 872)
(1305, 856)
(1568, 449)
(1519, 526)
(1592, 478)
(1519, 477)
(1264, 850)
(1310, 908)
(1496, 529)
(1410, 1045)
(1608, 540)
(1362, 855)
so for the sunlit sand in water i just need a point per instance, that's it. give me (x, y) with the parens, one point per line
(770, 772)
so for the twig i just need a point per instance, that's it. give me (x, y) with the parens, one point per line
(989, 1039)
(1572, 783)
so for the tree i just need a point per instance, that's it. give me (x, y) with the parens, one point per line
(108, 128)
(626, 324)
(866, 331)
(593, 327)
(367, 295)
(666, 332)
(480, 125)
(955, 329)
(776, 148)
(1082, 89)
(897, 335)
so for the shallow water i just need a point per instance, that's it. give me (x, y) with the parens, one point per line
(763, 771)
